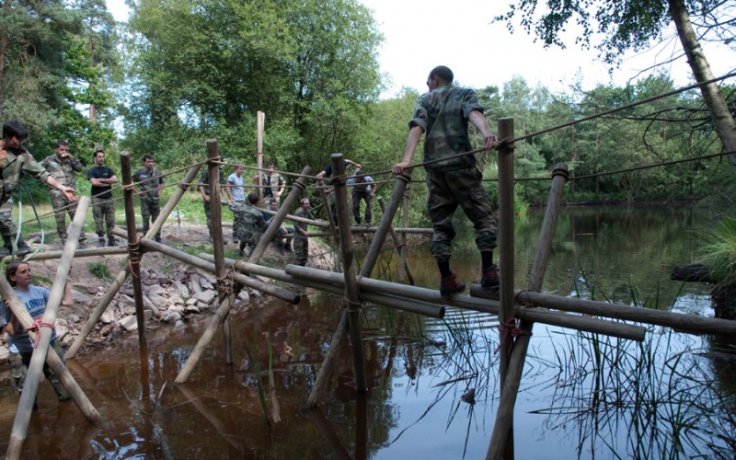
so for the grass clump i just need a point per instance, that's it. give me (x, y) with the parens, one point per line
(99, 269)
(719, 253)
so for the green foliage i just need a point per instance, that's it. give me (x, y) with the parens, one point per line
(99, 269)
(719, 253)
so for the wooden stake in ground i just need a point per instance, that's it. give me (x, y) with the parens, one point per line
(330, 361)
(510, 389)
(30, 387)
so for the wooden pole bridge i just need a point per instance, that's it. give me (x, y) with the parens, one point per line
(517, 310)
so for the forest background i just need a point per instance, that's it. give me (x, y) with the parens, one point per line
(180, 72)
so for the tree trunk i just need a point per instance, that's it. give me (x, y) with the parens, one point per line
(722, 119)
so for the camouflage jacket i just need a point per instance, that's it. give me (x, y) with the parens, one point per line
(149, 182)
(17, 161)
(303, 226)
(204, 180)
(249, 224)
(443, 115)
(63, 170)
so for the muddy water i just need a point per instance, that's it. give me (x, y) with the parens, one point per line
(433, 390)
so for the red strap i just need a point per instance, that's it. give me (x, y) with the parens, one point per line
(38, 323)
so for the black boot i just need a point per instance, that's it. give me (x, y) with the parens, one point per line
(241, 251)
(22, 248)
(7, 248)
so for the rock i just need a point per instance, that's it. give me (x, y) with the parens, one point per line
(171, 316)
(107, 317)
(181, 289)
(192, 309)
(206, 296)
(73, 318)
(129, 323)
(80, 297)
(243, 295)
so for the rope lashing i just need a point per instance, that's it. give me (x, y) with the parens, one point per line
(510, 331)
(36, 326)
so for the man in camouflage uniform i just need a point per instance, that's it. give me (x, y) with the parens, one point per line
(250, 224)
(150, 183)
(204, 190)
(442, 115)
(301, 240)
(63, 167)
(14, 160)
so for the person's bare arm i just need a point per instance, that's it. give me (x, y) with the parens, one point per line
(68, 299)
(69, 192)
(478, 120)
(415, 133)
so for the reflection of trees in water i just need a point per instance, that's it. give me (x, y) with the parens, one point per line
(657, 399)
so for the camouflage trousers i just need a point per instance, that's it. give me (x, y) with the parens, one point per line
(7, 226)
(19, 363)
(150, 209)
(449, 190)
(208, 215)
(301, 250)
(63, 206)
(103, 210)
(357, 197)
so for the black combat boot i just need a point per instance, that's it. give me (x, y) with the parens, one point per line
(22, 247)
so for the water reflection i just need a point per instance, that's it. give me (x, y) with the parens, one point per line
(432, 383)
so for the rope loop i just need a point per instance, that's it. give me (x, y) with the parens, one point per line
(36, 326)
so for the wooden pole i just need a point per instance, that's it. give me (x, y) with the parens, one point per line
(213, 169)
(404, 251)
(134, 253)
(330, 360)
(260, 131)
(122, 276)
(404, 271)
(316, 223)
(506, 246)
(52, 358)
(96, 314)
(504, 416)
(352, 297)
(211, 416)
(326, 204)
(35, 367)
(90, 252)
(683, 323)
(398, 230)
(278, 218)
(173, 200)
(200, 263)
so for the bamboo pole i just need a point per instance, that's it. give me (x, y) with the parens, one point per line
(404, 251)
(134, 253)
(330, 360)
(52, 358)
(122, 275)
(204, 340)
(278, 218)
(352, 297)
(173, 200)
(35, 367)
(326, 204)
(209, 267)
(99, 309)
(260, 130)
(680, 322)
(90, 252)
(398, 230)
(304, 220)
(403, 264)
(504, 415)
(213, 169)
